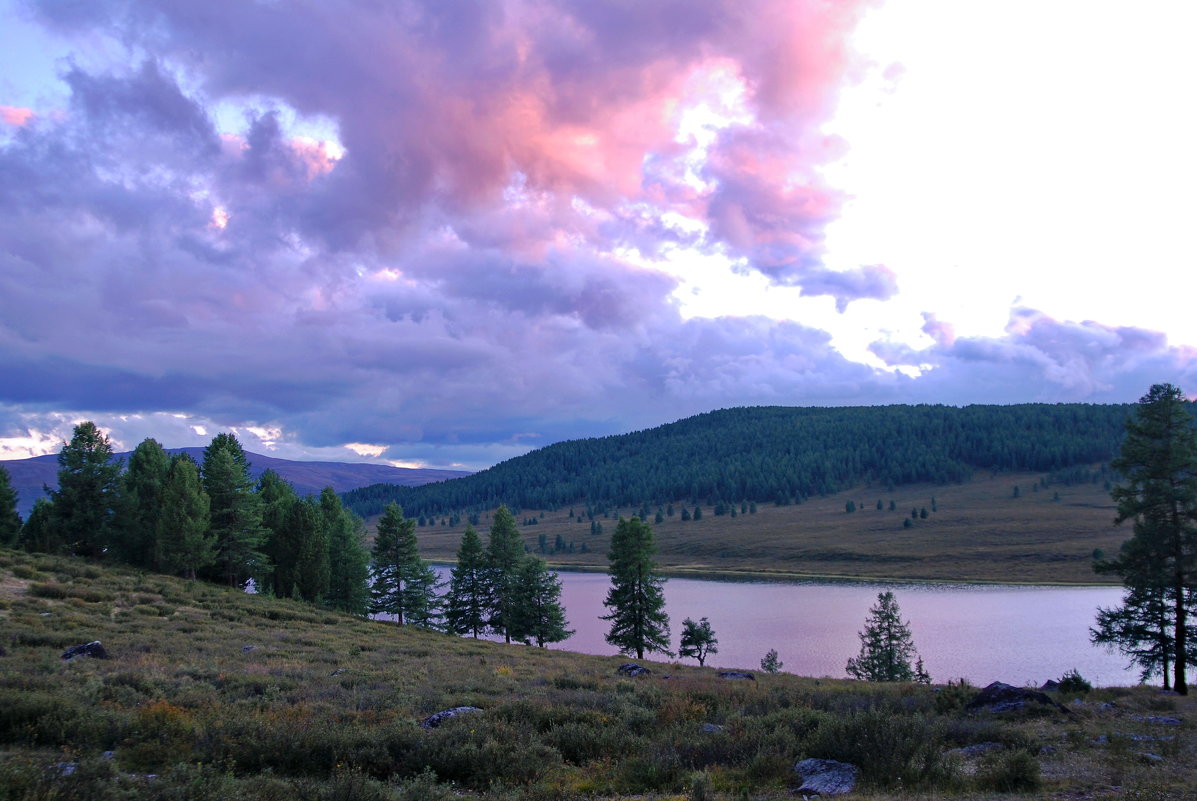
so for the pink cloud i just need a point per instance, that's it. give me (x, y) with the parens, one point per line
(16, 116)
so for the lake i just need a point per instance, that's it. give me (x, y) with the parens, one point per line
(984, 633)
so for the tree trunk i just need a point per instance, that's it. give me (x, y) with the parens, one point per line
(1181, 618)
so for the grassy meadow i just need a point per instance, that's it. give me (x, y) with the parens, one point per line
(979, 532)
(213, 694)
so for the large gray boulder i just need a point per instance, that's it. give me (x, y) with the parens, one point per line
(432, 721)
(93, 649)
(737, 674)
(826, 777)
(632, 669)
(999, 697)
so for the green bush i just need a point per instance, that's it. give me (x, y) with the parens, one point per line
(1009, 771)
(890, 749)
(1073, 682)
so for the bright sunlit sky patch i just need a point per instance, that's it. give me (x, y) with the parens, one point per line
(444, 234)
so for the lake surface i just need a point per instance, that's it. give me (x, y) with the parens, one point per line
(984, 633)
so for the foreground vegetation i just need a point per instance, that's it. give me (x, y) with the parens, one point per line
(211, 693)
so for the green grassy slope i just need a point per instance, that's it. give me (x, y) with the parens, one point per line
(213, 694)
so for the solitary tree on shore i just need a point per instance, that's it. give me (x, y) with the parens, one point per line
(1158, 564)
(886, 647)
(698, 640)
(636, 597)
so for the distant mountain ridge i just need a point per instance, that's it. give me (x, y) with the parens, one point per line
(308, 478)
(777, 454)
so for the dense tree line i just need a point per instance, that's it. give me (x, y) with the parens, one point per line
(206, 520)
(776, 455)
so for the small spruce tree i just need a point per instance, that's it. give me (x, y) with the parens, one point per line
(886, 647)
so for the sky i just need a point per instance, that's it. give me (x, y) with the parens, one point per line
(443, 233)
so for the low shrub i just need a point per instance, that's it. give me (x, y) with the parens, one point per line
(1009, 771)
(890, 750)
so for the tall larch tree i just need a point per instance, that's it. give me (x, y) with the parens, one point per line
(466, 603)
(348, 559)
(236, 513)
(276, 497)
(85, 502)
(135, 539)
(504, 552)
(10, 520)
(183, 539)
(887, 651)
(537, 615)
(308, 537)
(636, 598)
(1158, 494)
(404, 584)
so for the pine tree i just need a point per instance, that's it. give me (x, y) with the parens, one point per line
(1158, 463)
(467, 602)
(275, 498)
(886, 647)
(537, 614)
(84, 505)
(38, 533)
(636, 597)
(235, 512)
(348, 559)
(10, 521)
(307, 534)
(505, 551)
(136, 531)
(183, 540)
(698, 640)
(404, 585)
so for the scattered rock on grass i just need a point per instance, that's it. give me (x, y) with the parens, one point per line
(736, 674)
(826, 776)
(93, 649)
(1000, 697)
(711, 728)
(632, 669)
(1160, 720)
(432, 721)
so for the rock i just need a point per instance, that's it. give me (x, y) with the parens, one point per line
(632, 669)
(432, 721)
(1166, 692)
(711, 728)
(1160, 720)
(999, 697)
(977, 750)
(337, 672)
(1050, 685)
(1047, 750)
(248, 648)
(826, 776)
(1148, 758)
(1107, 706)
(736, 674)
(65, 768)
(92, 649)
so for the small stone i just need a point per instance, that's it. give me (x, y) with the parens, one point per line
(108, 755)
(66, 768)
(248, 648)
(977, 750)
(1047, 750)
(338, 672)
(1148, 758)
(711, 728)
(1160, 720)
(432, 721)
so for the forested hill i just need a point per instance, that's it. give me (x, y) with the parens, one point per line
(776, 453)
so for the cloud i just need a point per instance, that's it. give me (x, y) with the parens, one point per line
(15, 116)
(1043, 359)
(431, 227)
